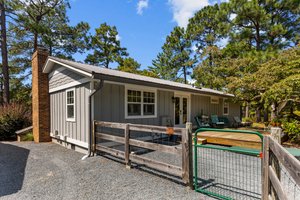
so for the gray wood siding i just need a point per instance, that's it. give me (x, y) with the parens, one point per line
(77, 130)
(202, 103)
(63, 77)
(234, 109)
(110, 106)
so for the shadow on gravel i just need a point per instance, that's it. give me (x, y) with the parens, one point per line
(145, 169)
(13, 161)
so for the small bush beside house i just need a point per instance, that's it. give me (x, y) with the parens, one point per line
(13, 117)
(292, 129)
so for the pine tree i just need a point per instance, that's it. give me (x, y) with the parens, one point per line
(175, 57)
(105, 46)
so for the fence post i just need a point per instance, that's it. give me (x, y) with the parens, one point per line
(187, 160)
(127, 146)
(265, 169)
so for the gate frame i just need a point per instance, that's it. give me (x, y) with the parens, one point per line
(196, 145)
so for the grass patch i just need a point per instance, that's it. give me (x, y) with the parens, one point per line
(258, 125)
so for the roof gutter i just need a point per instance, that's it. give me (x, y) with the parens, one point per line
(90, 140)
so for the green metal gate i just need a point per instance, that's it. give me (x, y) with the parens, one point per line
(227, 172)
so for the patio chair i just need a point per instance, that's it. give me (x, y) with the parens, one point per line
(216, 122)
(201, 123)
(237, 121)
(225, 120)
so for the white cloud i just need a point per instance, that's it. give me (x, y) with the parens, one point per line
(185, 9)
(141, 5)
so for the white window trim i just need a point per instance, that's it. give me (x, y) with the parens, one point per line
(142, 90)
(74, 118)
(224, 107)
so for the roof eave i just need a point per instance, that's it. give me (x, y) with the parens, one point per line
(152, 84)
(50, 63)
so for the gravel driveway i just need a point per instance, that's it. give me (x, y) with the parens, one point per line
(49, 171)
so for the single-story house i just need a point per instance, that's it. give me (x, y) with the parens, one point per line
(79, 93)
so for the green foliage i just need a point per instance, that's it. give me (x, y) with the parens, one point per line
(292, 129)
(32, 23)
(132, 66)
(208, 27)
(105, 46)
(13, 117)
(248, 119)
(174, 62)
(129, 65)
(28, 137)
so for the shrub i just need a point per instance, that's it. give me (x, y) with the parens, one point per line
(248, 119)
(28, 137)
(292, 129)
(13, 117)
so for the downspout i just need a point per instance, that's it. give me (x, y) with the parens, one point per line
(90, 117)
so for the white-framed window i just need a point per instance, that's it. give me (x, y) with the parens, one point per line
(214, 100)
(225, 107)
(140, 103)
(70, 104)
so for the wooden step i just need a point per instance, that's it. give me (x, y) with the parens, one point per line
(232, 139)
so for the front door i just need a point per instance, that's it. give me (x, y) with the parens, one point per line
(181, 110)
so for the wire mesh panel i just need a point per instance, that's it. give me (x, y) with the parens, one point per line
(289, 185)
(228, 174)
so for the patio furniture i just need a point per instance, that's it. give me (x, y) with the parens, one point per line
(225, 120)
(216, 122)
(202, 121)
(237, 121)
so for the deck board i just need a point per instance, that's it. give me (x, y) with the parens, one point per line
(232, 139)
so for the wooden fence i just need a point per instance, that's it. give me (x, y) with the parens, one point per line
(276, 157)
(185, 170)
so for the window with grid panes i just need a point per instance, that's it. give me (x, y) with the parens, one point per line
(140, 103)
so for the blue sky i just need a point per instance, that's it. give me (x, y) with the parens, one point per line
(142, 24)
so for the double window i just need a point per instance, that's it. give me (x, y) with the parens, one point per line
(140, 103)
(70, 107)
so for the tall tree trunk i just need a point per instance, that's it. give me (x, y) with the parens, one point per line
(184, 73)
(273, 111)
(247, 109)
(35, 41)
(5, 70)
(258, 39)
(266, 115)
(258, 114)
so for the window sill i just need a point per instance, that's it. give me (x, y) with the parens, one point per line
(70, 120)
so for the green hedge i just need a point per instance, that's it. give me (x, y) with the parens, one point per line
(292, 129)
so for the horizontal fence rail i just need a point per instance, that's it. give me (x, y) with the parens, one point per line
(281, 172)
(184, 150)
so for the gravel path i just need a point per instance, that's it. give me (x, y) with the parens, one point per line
(49, 171)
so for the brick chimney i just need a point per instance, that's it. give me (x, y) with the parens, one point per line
(40, 97)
